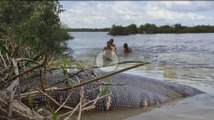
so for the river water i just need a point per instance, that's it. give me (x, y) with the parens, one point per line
(184, 58)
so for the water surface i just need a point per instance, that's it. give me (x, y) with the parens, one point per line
(183, 58)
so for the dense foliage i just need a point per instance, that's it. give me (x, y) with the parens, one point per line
(153, 29)
(118, 30)
(132, 29)
(34, 26)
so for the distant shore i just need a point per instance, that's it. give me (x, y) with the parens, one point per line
(147, 28)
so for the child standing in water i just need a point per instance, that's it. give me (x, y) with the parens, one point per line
(109, 52)
(126, 48)
(112, 45)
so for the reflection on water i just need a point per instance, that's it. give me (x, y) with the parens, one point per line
(118, 114)
(199, 107)
(182, 58)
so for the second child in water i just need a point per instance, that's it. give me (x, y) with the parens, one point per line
(126, 48)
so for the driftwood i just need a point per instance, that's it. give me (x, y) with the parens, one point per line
(18, 109)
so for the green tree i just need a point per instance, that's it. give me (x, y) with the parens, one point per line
(35, 25)
(118, 30)
(142, 29)
(165, 29)
(178, 28)
(153, 29)
(148, 28)
(132, 29)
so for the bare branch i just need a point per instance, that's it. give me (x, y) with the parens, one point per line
(95, 100)
(81, 102)
(36, 91)
(46, 95)
(100, 78)
(27, 59)
(64, 102)
(3, 60)
(16, 76)
(12, 89)
(71, 112)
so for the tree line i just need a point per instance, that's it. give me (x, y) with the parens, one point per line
(153, 29)
(147, 29)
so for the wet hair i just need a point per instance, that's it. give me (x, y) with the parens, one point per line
(125, 45)
(111, 40)
(108, 43)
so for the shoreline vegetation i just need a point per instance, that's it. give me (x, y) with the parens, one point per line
(147, 28)
(33, 44)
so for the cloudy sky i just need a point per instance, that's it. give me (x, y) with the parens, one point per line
(99, 14)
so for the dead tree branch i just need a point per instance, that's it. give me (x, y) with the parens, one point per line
(38, 66)
(100, 78)
(48, 96)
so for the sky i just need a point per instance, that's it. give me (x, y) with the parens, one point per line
(101, 14)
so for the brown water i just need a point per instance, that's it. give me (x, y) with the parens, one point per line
(184, 58)
(188, 109)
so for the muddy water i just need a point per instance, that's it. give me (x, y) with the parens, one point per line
(184, 58)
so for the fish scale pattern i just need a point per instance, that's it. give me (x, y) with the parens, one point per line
(128, 91)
